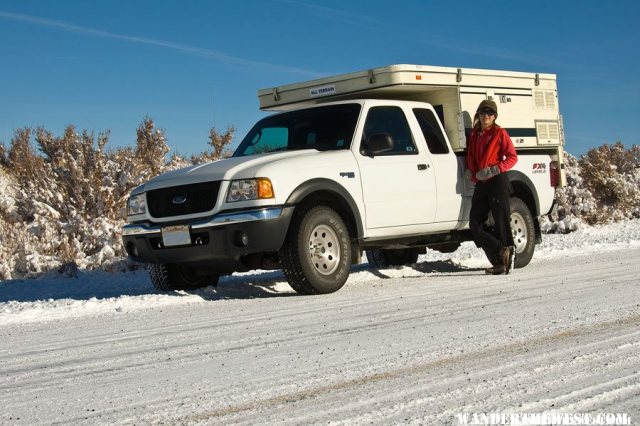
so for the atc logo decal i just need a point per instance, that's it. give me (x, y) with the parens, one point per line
(539, 168)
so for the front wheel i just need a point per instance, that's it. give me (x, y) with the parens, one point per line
(178, 276)
(316, 256)
(523, 231)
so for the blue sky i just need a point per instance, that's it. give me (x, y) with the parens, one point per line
(190, 65)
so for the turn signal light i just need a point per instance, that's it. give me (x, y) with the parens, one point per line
(265, 189)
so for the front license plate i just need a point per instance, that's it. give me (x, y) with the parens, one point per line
(176, 236)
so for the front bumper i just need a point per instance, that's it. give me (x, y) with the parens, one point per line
(220, 240)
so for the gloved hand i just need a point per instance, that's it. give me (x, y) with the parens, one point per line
(487, 173)
(467, 174)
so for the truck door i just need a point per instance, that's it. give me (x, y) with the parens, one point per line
(398, 185)
(447, 168)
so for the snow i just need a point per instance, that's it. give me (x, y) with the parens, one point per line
(408, 345)
(96, 292)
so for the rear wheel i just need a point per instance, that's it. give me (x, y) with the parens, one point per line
(523, 231)
(170, 276)
(383, 258)
(316, 256)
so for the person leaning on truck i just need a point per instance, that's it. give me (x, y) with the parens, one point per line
(490, 153)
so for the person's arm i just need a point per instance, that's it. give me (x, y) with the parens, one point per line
(509, 157)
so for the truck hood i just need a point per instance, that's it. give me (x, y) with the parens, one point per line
(226, 169)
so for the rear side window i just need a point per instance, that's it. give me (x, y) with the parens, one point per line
(436, 141)
(390, 120)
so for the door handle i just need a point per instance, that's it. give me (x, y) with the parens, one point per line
(423, 166)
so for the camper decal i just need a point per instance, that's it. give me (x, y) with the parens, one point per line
(539, 168)
(322, 91)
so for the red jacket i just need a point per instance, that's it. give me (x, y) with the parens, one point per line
(491, 148)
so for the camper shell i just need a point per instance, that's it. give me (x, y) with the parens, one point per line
(527, 102)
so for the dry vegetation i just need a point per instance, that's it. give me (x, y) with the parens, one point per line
(64, 198)
(602, 186)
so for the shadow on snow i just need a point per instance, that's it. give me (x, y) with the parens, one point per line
(102, 285)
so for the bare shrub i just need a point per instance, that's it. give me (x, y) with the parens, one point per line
(151, 149)
(611, 173)
(602, 186)
(67, 201)
(573, 202)
(219, 143)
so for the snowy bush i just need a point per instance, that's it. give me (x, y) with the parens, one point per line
(573, 202)
(603, 186)
(613, 176)
(63, 199)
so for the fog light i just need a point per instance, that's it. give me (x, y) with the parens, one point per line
(242, 239)
(132, 250)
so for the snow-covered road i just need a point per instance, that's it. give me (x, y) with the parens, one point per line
(418, 344)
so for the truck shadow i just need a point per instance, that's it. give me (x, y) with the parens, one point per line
(89, 285)
(86, 286)
(443, 267)
(432, 267)
(248, 286)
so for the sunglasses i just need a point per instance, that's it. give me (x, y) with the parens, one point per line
(486, 112)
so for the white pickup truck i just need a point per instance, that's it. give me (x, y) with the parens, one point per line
(369, 161)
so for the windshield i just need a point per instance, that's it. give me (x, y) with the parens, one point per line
(323, 128)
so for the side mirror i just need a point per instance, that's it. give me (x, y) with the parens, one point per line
(377, 144)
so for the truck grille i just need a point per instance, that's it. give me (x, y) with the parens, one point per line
(182, 200)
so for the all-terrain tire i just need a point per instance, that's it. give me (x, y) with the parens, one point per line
(523, 231)
(383, 258)
(316, 255)
(169, 277)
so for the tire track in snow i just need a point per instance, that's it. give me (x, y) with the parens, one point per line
(514, 349)
(397, 315)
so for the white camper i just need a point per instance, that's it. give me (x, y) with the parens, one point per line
(528, 102)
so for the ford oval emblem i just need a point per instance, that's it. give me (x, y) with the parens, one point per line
(179, 199)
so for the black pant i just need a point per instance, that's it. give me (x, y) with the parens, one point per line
(492, 196)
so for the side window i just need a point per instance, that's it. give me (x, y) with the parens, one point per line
(390, 120)
(436, 141)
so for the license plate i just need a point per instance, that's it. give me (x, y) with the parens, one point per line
(176, 236)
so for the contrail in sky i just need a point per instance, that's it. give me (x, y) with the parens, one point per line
(190, 50)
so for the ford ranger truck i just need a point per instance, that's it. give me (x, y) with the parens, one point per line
(310, 188)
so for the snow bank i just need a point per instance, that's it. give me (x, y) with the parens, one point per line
(93, 293)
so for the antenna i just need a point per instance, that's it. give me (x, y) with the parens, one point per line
(213, 102)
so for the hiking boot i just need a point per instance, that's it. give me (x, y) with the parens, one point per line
(506, 254)
(495, 270)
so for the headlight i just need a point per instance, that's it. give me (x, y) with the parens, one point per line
(136, 205)
(249, 189)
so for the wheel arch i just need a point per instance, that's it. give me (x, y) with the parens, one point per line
(524, 189)
(330, 193)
